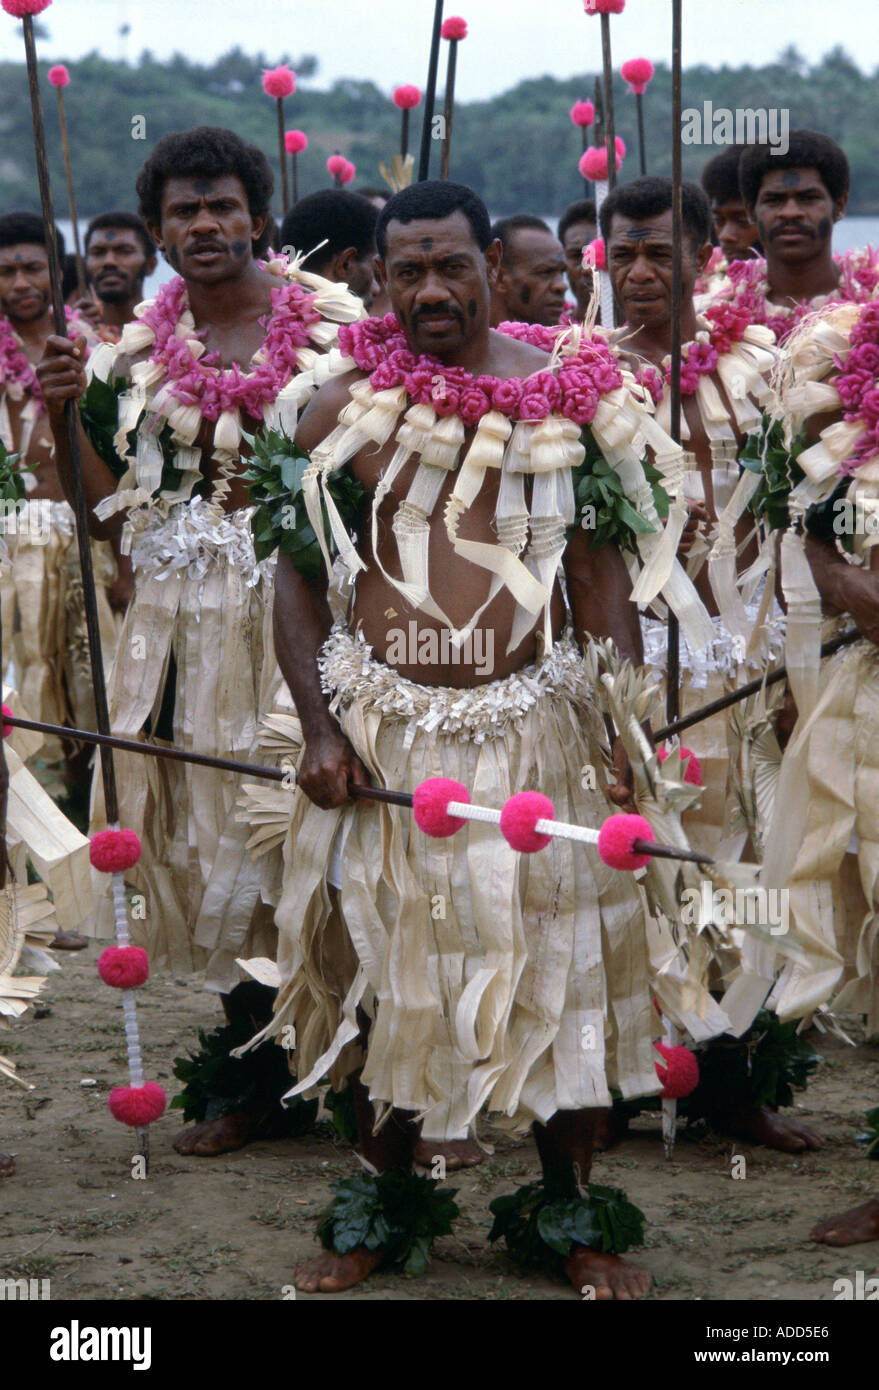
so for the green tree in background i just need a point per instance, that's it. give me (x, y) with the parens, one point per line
(519, 151)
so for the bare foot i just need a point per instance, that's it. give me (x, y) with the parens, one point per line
(221, 1136)
(69, 941)
(609, 1275)
(7, 1165)
(330, 1273)
(458, 1153)
(612, 1126)
(850, 1227)
(761, 1125)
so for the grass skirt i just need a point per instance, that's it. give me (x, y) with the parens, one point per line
(517, 982)
(200, 596)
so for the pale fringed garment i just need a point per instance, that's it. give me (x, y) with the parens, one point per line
(201, 597)
(716, 670)
(47, 630)
(514, 982)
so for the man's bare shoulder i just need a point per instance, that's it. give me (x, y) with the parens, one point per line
(322, 412)
(512, 358)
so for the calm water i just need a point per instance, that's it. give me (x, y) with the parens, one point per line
(852, 231)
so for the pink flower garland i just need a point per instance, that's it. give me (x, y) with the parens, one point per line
(729, 320)
(199, 381)
(858, 385)
(379, 347)
(859, 276)
(15, 368)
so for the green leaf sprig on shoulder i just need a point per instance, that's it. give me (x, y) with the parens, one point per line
(602, 506)
(99, 413)
(766, 453)
(11, 476)
(274, 479)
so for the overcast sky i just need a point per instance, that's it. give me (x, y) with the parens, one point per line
(387, 40)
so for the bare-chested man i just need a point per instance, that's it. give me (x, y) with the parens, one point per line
(734, 227)
(196, 660)
(578, 226)
(795, 199)
(636, 222)
(50, 656)
(119, 255)
(530, 286)
(367, 948)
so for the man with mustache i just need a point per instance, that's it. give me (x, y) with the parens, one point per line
(531, 282)
(227, 347)
(795, 198)
(390, 940)
(119, 255)
(49, 648)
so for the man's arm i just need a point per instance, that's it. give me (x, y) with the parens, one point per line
(62, 379)
(301, 621)
(599, 592)
(847, 588)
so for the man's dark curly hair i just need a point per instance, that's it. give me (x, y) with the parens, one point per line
(205, 152)
(807, 149)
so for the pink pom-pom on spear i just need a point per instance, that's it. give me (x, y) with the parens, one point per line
(59, 78)
(595, 255)
(604, 6)
(583, 113)
(19, 8)
(638, 72)
(140, 1102)
(295, 141)
(347, 172)
(454, 30)
(593, 165)
(278, 83)
(405, 98)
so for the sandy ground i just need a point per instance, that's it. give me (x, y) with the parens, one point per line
(237, 1226)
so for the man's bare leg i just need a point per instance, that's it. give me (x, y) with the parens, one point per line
(7, 1165)
(853, 1227)
(392, 1147)
(569, 1137)
(457, 1153)
(763, 1125)
(209, 1138)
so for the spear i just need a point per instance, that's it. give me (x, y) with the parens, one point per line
(635, 844)
(59, 78)
(669, 1106)
(609, 123)
(295, 141)
(405, 97)
(454, 29)
(583, 115)
(637, 72)
(280, 82)
(430, 94)
(25, 10)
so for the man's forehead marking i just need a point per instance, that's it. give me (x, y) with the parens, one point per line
(790, 178)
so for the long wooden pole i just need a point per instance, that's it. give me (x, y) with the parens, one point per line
(430, 93)
(80, 509)
(71, 200)
(609, 125)
(449, 108)
(282, 148)
(642, 143)
(673, 675)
